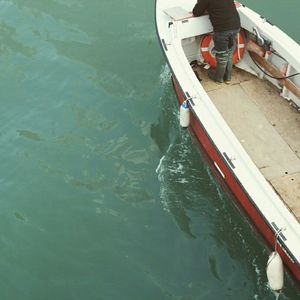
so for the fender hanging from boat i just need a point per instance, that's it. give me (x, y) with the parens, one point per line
(184, 114)
(275, 271)
(206, 46)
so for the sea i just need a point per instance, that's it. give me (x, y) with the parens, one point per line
(102, 195)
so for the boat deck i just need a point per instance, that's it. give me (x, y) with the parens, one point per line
(266, 125)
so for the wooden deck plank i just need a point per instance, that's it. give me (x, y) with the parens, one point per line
(288, 188)
(284, 117)
(266, 147)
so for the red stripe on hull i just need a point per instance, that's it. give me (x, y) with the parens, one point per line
(210, 151)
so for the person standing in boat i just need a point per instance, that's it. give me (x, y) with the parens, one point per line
(226, 25)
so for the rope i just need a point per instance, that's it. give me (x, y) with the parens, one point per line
(277, 234)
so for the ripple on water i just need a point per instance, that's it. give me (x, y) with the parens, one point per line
(165, 75)
(29, 135)
(20, 217)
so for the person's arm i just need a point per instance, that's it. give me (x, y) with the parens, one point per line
(200, 8)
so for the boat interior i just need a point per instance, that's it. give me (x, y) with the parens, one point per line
(266, 124)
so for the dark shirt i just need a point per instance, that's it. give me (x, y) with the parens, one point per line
(222, 13)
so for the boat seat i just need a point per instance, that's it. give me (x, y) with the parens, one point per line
(187, 26)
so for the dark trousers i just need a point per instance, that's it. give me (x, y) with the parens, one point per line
(224, 48)
(225, 40)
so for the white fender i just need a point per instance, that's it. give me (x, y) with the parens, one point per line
(184, 114)
(275, 272)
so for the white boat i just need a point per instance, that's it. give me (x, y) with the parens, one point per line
(249, 130)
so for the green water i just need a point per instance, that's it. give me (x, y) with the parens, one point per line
(103, 196)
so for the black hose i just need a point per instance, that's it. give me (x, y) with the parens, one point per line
(275, 53)
(278, 78)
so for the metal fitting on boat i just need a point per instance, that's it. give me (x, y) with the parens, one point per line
(259, 39)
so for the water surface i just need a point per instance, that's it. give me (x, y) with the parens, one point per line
(103, 196)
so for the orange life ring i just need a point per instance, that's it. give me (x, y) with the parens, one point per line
(237, 4)
(207, 44)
